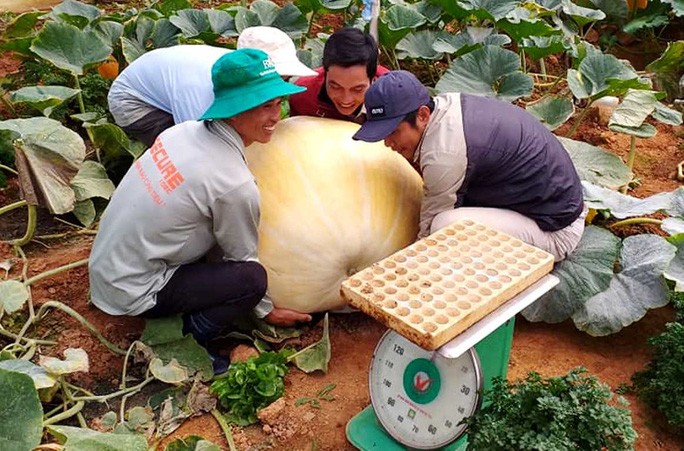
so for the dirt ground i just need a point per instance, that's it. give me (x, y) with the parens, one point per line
(550, 349)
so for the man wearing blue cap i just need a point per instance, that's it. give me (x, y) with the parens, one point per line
(480, 159)
(174, 206)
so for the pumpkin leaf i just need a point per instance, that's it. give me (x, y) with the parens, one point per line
(623, 206)
(165, 338)
(192, 443)
(667, 115)
(74, 13)
(597, 166)
(207, 24)
(600, 75)
(144, 34)
(315, 356)
(586, 272)
(635, 107)
(675, 270)
(21, 414)
(13, 295)
(396, 22)
(521, 24)
(70, 48)
(466, 41)
(171, 373)
(75, 360)
(22, 26)
(113, 141)
(489, 9)
(263, 12)
(41, 378)
(91, 181)
(79, 439)
(552, 111)
(49, 156)
(538, 47)
(489, 71)
(643, 131)
(420, 45)
(637, 288)
(109, 31)
(85, 212)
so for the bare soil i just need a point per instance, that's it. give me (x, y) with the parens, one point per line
(550, 349)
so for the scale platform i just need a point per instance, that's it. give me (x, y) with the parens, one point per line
(450, 300)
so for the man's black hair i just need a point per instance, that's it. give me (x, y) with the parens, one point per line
(411, 117)
(351, 47)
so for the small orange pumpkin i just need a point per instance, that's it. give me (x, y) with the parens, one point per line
(109, 69)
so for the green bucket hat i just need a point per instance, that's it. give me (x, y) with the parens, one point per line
(245, 79)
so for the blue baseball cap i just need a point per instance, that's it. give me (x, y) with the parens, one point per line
(388, 100)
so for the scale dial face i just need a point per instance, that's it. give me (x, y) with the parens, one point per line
(419, 396)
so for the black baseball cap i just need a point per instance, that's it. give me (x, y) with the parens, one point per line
(388, 100)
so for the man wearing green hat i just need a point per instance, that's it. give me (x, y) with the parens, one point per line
(174, 206)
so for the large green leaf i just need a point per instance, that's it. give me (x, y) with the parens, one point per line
(43, 98)
(672, 59)
(667, 115)
(75, 360)
(207, 24)
(22, 26)
(113, 141)
(538, 47)
(75, 13)
(642, 131)
(633, 291)
(552, 111)
(677, 6)
(263, 12)
(85, 212)
(397, 22)
(624, 206)
(489, 9)
(317, 355)
(466, 41)
(162, 330)
(522, 23)
(614, 9)
(144, 34)
(92, 181)
(70, 48)
(420, 45)
(169, 7)
(13, 295)
(49, 156)
(636, 106)
(312, 53)
(40, 377)
(596, 165)
(165, 337)
(21, 414)
(675, 270)
(109, 31)
(452, 8)
(600, 75)
(489, 71)
(585, 273)
(192, 443)
(78, 439)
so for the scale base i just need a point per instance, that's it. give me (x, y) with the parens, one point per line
(365, 432)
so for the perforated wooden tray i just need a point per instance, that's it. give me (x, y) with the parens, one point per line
(436, 288)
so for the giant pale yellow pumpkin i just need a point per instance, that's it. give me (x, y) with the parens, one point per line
(330, 206)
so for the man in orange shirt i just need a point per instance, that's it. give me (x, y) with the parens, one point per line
(350, 65)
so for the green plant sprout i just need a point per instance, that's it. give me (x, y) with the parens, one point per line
(315, 402)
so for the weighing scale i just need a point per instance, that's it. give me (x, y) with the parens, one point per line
(449, 300)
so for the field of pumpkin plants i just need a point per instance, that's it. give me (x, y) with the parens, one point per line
(606, 76)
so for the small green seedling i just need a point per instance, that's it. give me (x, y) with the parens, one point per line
(315, 402)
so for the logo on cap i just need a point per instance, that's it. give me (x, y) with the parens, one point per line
(269, 67)
(378, 111)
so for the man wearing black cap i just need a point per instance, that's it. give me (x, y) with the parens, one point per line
(480, 159)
